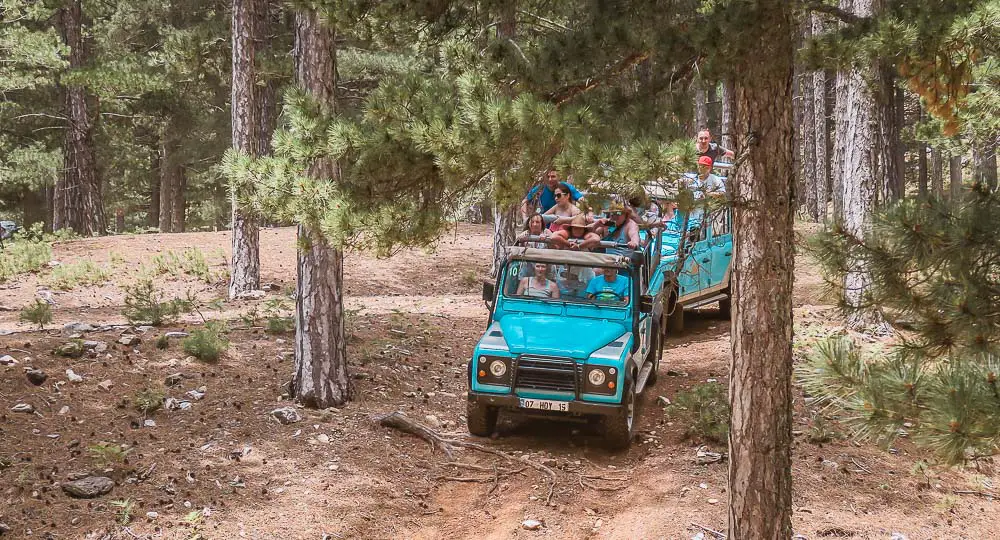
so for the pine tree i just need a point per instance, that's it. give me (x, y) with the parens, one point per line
(932, 267)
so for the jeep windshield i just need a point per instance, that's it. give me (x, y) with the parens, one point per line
(547, 281)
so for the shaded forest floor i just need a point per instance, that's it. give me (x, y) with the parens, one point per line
(223, 468)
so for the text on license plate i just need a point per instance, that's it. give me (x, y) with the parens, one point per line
(544, 404)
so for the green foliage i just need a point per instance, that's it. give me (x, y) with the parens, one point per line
(125, 509)
(109, 454)
(703, 410)
(68, 276)
(144, 303)
(277, 322)
(162, 342)
(148, 400)
(207, 343)
(191, 262)
(39, 312)
(23, 256)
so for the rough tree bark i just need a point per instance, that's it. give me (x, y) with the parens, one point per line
(819, 132)
(921, 160)
(77, 202)
(178, 196)
(887, 139)
(955, 176)
(728, 105)
(937, 173)
(760, 389)
(248, 23)
(700, 103)
(153, 216)
(985, 162)
(167, 179)
(504, 216)
(798, 164)
(320, 378)
(863, 175)
(808, 136)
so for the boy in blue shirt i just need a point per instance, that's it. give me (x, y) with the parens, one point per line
(543, 196)
(608, 287)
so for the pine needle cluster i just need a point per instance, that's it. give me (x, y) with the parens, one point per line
(934, 271)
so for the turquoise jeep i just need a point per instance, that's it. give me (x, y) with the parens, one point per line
(570, 355)
(705, 264)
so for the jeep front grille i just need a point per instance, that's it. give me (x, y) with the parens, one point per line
(545, 373)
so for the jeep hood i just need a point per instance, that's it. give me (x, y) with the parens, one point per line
(557, 336)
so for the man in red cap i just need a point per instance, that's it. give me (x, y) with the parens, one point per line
(705, 147)
(707, 184)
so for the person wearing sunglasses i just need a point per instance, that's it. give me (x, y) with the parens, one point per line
(563, 211)
(543, 197)
(620, 228)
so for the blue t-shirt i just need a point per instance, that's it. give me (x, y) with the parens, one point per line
(615, 291)
(548, 199)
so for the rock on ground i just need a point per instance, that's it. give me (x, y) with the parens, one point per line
(89, 487)
(36, 376)
(286, 415)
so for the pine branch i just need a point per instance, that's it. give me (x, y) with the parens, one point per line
(567, 93)
(836, 12)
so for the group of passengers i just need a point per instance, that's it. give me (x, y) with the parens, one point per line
(602, 283)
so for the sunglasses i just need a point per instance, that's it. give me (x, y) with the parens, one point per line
(616, 214)
(559, 195)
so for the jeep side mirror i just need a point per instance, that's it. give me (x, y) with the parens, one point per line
(489, 291)
(645, 304)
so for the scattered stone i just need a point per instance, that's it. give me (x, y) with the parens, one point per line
(286, 415)
(152, 515)
(149, 423)
(280, 341)
(323, 438)
(105, 385)
(704, 456)
(897, 536)
(251, 295)
(190, 360)
(23, 407)
(532, 524)
(70, 349)
(172, 404)
(73, 377)
(4, 528)
(64, 410)
(663, 401)
(7, 360)
(100, 347)
(176, 334)
(36, 377)
(432, 421)
(196, 394)
(89, 487)
(129, 340)
(143, 329)
(75, 327)
(448, 395)
(174, 379)
(675, 373)
(713, 501)
(90, 344)
(270, 287)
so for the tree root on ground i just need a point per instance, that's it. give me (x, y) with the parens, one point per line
(399, 420)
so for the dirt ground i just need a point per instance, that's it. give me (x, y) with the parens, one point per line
(224, 468)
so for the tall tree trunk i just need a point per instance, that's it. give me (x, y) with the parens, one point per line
(937, 173)
(153, 215)
(178, 198)
(728, 104)
(700, 104)
(713, 112)
(955, 175)
(760, 389)
(504, 216)
(798, 163)
(887, 132)
(822, 169)
(863, 177)
(985, 162)
(248, 23)
(921, 160)
(77, 202)
(320, 378)
(167, 179)
(899, 149)
(808, 134)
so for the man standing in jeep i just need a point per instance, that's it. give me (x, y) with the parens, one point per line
(705, 147)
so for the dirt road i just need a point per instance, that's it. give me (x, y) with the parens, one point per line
(223, 468)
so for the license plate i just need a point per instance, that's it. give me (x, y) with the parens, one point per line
(544, 404)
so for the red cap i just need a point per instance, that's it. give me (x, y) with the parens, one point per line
(705, 160)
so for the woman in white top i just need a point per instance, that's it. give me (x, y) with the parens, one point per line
(538, 286)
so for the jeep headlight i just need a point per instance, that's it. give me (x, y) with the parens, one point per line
(596, 377)
(498, 368)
